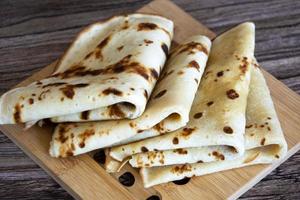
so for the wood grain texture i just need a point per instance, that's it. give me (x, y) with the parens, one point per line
(33, 34)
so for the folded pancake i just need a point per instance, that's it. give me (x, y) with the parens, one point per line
(103, 75)
(264, 140)
(167, 110)
(217, 117)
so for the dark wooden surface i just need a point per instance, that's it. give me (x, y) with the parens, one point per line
(35, 33)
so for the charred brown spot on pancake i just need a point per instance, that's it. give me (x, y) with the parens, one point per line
(165, 49)
(154, 73)
(159, 127)
(43, 94)
(152, 155)
(181, 169)
(115, 111)
(62, 138)
(123, 65)
(146, 26)
(38, 83)
(210, 103)
(194, 64)
(198, 115)
(80, 85)
(73, 71)
(170, 72)
(62, 130)
(33, 94)
(120, 48)
(193, 47)
(138, 69)
(269, 118)
(276, 156)
(17, 113)
(148, 42)
(207, 74)
(175, 140)
(126, 25)
(232, 94)
(98, 54)
(199, 161)
(111, 78)
(132, 124)
(112, 91)
(244, 65)
(81, 144)
(196, 80)
(62, 99)
(140, 131)
(262, 142)
(84, 136)
(162, 161)
(220, 73)
(30, 101)
(187, 131)
(85, 115)
(218, 155)
(249, 126)
(160, 94)
(232, 149)
(228, 130)
(180, 151)
(269, 129)
(261, 126)
(100, 46)
(180, 72)
(88, 55)
(132, 89)
(69, 153)
(68, 90)
(53, 84)
(144, 149)
(146, 94)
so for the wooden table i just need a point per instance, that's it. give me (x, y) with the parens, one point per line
(35, 33)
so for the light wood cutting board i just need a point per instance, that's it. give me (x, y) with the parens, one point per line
(84, 178)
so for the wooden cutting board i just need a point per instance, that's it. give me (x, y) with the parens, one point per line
(84, 178)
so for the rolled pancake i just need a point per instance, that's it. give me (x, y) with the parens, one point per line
(103, 75)
(264, 140)
(167, 110)
(217, 117)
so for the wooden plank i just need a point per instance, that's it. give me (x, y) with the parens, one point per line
(84, 178)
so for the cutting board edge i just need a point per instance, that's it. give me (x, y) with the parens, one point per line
(261, 175)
